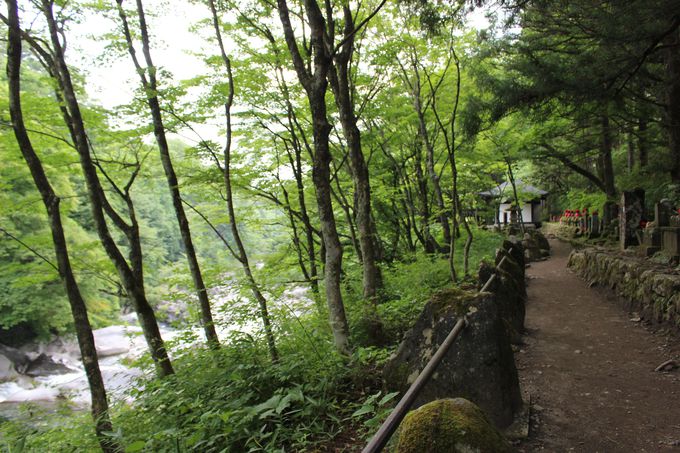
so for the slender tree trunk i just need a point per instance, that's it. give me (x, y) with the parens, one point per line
(454, 171)
(81, 321)
(606, 156)
(241, 254)
(315, 84)
(296, 164)
(97, 198)
(339, 195)
(151, 88)
(321, 177)
(429, 158)
(672, 62)
(340, 83)
(630, 157)
(642, 142)
(518, 202)
(429, 242)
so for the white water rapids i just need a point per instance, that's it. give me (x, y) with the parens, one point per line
(117, 346)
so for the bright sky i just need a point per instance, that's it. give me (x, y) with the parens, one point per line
(112, 83)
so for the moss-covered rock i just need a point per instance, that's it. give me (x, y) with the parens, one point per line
(450, 426)
(646, 287)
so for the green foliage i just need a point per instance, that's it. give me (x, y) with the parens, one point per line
(582, 199)
(408, 285)
(227, 400)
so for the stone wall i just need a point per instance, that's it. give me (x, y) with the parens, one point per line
(647, 288)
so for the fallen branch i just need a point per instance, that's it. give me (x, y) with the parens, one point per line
(668, 365)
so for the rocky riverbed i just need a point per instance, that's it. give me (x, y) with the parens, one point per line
(49, 373)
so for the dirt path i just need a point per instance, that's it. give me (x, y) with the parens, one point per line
(590, 369)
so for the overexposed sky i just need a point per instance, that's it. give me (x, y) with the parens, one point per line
(111, 83)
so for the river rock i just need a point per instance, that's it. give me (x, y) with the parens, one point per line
(450, 426)
(479, 366)
(7, 371)
(18, 359)
(44, 365)
(114, 340)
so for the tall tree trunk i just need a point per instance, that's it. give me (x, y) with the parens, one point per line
(429, 242)
(606, 156)
(630, 157)
(151, 88)
(241, 254)
(81, 321)
(606, 170)
(315, 84)
(642, 142)
(74, 120)
(340, 83)
(429, 158)
(672, 61)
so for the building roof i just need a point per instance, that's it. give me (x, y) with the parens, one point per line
(505, 190)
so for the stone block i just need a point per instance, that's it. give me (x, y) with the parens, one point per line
(479, 366)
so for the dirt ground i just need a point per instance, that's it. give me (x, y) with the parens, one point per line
(589, 368)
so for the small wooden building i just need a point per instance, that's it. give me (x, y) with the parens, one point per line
(502, 198)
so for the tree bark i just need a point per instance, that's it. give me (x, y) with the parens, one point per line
(340, 83)
(642, 142)
(672, 63)
(606, 156)
(73, 118)
(241, 254)
(150, 87)
(51, 201)
(315, 84)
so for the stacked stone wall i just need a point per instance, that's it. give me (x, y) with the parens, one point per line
(649, 289)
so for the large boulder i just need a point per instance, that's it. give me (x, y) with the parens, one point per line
(7, 371)
(114, 340)
(479, 366)
(13, 360)
(450, 426)
(18, 359)
(44, 365)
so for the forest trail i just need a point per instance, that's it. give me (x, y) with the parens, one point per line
(590, 369)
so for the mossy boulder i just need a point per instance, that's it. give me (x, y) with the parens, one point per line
(450, 426)
(479, 366)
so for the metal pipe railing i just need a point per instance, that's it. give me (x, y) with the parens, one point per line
(390, 425)
(392, 422)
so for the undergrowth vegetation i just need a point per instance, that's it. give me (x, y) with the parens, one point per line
(237, 400)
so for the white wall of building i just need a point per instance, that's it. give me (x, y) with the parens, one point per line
(527, 216)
